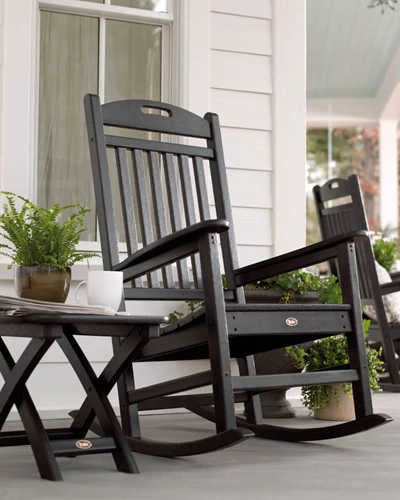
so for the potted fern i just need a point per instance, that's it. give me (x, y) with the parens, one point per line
(43, 248)
(333, 402)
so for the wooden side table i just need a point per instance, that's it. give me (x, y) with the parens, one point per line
(44, 330)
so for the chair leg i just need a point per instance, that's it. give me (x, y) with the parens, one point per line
(356, 341)
(97, 395)
(253, 406)
(217, 334)
(35, 432)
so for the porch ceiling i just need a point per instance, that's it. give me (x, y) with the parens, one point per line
(349, 48)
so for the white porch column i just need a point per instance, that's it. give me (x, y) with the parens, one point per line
(388, 179)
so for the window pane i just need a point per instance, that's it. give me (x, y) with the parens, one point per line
(133, 61)
(157, 5)
(133, 71)
(68, 70)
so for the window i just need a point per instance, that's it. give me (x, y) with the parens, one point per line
(119, 50)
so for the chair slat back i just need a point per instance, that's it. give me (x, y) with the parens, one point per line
(189, 208)
(201, 188)
(128, 211)
(175, 213)
(159, 212)
(340, 209)
(161, 185)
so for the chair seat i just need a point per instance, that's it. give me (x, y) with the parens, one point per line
(249, 331)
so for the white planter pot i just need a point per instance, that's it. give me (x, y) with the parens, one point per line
(341, 409)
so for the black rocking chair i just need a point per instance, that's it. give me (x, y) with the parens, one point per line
(167, 210)
(348, 214)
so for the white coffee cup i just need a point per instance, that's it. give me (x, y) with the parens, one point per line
(103, 288)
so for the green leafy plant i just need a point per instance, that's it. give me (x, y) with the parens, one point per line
(297, 282)
(290, 284)
(328, 353)
(36, 236)
(385, 251)
(192, 306)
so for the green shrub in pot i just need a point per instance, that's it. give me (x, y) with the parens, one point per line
(328, 353)
(385, 252)
(294, 284)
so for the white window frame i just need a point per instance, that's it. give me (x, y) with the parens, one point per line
(21, 78)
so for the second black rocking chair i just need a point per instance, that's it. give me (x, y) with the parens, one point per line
(167, 220)
(348, 214)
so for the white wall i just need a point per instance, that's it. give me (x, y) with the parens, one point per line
(241, 87)
(1, 80)
(248, 67)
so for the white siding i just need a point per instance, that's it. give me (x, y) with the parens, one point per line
(256, 183)
(1, 82)
(241, 34)
(257, 155)
(241, 88)
(242, 109)
(230, 71)
(253, 8)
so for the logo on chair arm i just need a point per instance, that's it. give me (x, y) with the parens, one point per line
(292, 322)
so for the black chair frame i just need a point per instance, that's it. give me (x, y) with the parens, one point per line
(348, 214)
(226, 327)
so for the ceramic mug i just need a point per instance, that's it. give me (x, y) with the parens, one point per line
(103, 288)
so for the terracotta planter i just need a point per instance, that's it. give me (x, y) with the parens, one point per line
(274, 403)
(42, 283)
(343, 411)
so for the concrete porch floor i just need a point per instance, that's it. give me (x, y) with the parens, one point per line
(364, 466)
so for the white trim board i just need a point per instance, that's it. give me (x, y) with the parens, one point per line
(289, 124)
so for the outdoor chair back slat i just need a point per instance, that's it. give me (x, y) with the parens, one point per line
(144, 207)
(159, 210)
(189, 209)
(128, 212)
(175, 212)
(201, 188)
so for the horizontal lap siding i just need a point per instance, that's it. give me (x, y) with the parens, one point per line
(252, 8)
(241, 88)
(1, 80)
(242, 109)
(241, 34)
(231, 70)
(256, 141)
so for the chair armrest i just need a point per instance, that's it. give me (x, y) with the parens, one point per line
(392, 287)
(298, 259)
(395, 276)
(171, 248)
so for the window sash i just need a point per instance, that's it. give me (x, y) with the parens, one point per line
(105, 12)
(109, 11)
